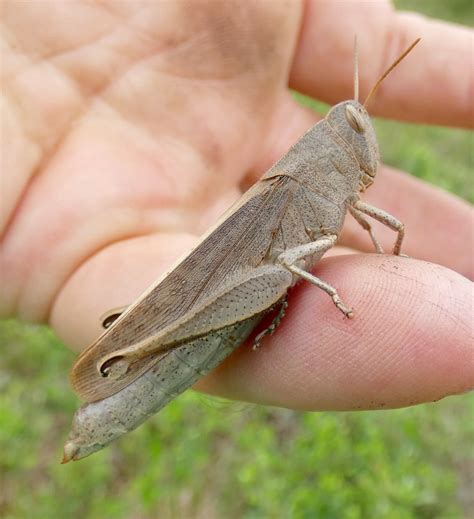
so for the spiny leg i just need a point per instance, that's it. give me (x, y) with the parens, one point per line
(385, 218)
(362, 221)
(329, 289)
(273, 326)
(321, 245)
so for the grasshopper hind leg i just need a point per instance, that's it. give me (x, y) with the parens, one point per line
(274, 324)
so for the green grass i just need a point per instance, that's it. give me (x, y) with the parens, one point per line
(201, 459)
(457, 11)
(441, 156)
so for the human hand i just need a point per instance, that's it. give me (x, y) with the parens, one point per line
(126, 138)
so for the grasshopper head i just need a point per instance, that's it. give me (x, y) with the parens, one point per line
(352, 123)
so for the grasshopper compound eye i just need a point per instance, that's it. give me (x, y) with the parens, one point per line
(354, 118)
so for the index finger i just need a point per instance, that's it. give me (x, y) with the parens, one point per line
(441, 66)
(409, 341)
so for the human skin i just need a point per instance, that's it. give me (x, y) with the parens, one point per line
(127, 128)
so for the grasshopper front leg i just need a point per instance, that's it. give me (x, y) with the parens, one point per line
(290, 257)
(385, 218)
(362, 221)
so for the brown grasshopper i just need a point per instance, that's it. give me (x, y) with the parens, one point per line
(209, 303)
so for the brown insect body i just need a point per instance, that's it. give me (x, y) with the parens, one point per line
(209, 303)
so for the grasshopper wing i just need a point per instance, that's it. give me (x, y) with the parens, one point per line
(237, 245)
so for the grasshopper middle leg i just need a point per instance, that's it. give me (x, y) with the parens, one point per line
(290, 257)
(362, 221)
(385, 218)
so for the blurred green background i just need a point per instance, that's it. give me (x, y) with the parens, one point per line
(201, 457)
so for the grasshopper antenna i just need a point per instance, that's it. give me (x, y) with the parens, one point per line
(356, 69)
(387, 72)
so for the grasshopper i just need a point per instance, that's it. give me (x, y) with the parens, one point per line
(209, 303)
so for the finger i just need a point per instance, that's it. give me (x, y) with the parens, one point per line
(408, 343)
(112, 278)
(440, 66)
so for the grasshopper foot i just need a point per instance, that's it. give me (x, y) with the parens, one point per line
(348, 312)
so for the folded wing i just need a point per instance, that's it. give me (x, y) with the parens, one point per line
(236, 245)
